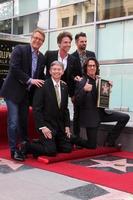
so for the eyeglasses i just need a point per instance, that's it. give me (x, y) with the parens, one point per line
(91, 66)
(37, 38)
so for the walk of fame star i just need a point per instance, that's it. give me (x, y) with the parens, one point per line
(14, 166)
(120, 164)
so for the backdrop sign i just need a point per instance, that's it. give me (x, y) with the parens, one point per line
(6, 47)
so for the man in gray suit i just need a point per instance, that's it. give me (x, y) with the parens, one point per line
(25, 74)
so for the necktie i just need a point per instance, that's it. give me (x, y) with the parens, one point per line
(57, 95)
(34, 63)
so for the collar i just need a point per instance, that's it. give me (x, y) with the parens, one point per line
(81, 53)
(33, 50)
(55, 83)
(65, 58)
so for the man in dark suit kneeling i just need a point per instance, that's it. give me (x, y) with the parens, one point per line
(50, 108)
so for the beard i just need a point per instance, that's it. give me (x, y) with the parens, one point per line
(83, 48)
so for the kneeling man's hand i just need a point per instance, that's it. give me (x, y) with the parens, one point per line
(47, 133)
(68, 132)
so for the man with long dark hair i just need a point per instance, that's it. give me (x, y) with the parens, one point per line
(90, 115)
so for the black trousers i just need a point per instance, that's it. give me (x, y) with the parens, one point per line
(92, 136)
(121, 120)
(76, 120)
(50, 147)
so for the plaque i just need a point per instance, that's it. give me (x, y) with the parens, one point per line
(103, 93)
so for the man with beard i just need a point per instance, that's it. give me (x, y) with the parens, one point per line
(81, 54)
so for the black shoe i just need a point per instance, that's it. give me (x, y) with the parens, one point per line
(78, 147)
(24, 148)
(35, 156)
(17, 155)
(117, 146)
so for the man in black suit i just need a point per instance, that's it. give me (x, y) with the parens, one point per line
(64, 40)
(52, 115)
(81, 54)
(26, 72)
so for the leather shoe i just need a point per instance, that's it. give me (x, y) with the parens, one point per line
(17, 155)
(24, 148)
(117, 146)
(78, 147)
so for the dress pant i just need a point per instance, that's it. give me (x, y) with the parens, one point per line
(50, 147)
(121, 120)
(76, 120)
(17, 122)
(92, 136)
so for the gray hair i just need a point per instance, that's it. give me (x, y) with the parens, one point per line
(56, 62)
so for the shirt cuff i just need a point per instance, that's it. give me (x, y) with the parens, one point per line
(42, 127)
(29, 81)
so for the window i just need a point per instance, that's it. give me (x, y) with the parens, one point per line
(5, 26)
(89, 17)
(6, 9)
(65, 21)
(108, 9)
(26, 24)
(75, 20)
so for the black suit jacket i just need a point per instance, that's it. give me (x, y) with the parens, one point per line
(15, 85)
(46, 110)
(78, 69)
(87, 102)
(51, 56)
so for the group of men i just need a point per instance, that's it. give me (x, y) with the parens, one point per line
(27, 85)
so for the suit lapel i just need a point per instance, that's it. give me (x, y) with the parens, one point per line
(62, 94)
(29, 60)
(53, 56)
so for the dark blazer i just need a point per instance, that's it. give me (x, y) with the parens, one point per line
(78, 69)
(15, 85)
(46, 110)
(87, 102)
(51, 56)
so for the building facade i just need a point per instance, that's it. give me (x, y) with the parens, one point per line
(107, 23)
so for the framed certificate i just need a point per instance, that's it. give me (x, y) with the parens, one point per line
(103, 93)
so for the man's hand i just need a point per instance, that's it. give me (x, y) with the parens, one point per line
(68, 132)
(37, 82)
(88, 87)
(47, 133)
(78, 78)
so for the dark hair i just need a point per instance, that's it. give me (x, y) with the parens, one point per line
(86, 63)
(62, 35)
(81, 34)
